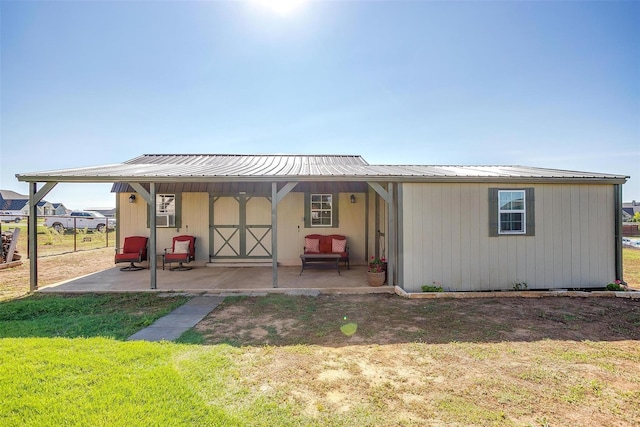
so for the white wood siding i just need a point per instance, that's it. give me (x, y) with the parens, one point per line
(446, 238)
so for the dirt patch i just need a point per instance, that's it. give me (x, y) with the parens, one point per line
(388, 319)
(516, 361)
(14, 282)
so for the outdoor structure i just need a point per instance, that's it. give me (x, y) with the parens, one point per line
(547, 228)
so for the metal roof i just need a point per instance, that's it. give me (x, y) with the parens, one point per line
(277, 167)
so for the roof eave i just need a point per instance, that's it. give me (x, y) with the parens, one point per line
(323, 178)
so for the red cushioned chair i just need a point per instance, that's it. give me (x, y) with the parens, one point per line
(134, 250)
(183, 249)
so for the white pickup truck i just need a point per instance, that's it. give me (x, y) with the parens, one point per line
(80, 219)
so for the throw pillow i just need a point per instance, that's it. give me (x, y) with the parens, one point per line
(338, 246)
(181, 247)
(311, 245)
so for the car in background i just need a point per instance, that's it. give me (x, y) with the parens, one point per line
(7, 216)
(631, 243)
(90, 220)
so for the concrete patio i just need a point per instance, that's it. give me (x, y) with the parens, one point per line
(223, 281)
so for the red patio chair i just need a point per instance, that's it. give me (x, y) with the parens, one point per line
(183, 249)
(134, 250)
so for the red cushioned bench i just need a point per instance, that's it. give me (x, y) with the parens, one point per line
(321, 250)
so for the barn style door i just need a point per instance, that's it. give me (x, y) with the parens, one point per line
(240, 227)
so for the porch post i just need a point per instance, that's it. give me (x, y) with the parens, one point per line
(276, 197)
(392, 236)
(274, 232)
(366, 225)
(150, 198)
(153, 261)
(34, 197)
(33, 238)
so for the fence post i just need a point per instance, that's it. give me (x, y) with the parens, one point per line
(107, 237)
(75, 234)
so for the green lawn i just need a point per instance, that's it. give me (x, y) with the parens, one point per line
(65, 361)
(52, 243)
(631, 266)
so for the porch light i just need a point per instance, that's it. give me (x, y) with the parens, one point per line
(132, 198)
(353, 198)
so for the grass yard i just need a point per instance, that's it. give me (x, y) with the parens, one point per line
(376, 360)
(333, 360)
(51, 242)
(631, 264)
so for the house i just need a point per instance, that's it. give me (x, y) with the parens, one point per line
(12, 203)
(630, 209)
(549, 228)
(45, 208)
(59, 209)
(18, 204)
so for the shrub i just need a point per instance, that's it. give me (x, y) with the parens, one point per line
(432, 288)
(520, 286)
(615, 286)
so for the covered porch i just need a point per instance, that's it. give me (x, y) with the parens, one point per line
(224, 280)
(242, 208)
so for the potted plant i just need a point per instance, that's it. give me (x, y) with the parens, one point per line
(376, 273)
(378, 263)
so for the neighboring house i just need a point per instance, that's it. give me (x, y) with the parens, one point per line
(45, 208)
(59, 209)
(630, 209)
(549, 228)
(18, 204)
(12, 203)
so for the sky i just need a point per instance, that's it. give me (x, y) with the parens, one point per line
(536, 83)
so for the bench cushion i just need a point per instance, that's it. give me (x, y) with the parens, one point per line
(326, 244)
(338, 245)
(311, 245)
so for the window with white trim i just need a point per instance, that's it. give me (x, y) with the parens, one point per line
(512, 212)
(166, 210)
(321, 210)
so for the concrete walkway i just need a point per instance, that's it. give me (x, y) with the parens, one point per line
(174, 324)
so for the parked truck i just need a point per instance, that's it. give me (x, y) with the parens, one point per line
(80, 219)
(10, 216)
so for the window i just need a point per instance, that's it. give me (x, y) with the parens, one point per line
(321, 210)
(511, 212)
(166, 210)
